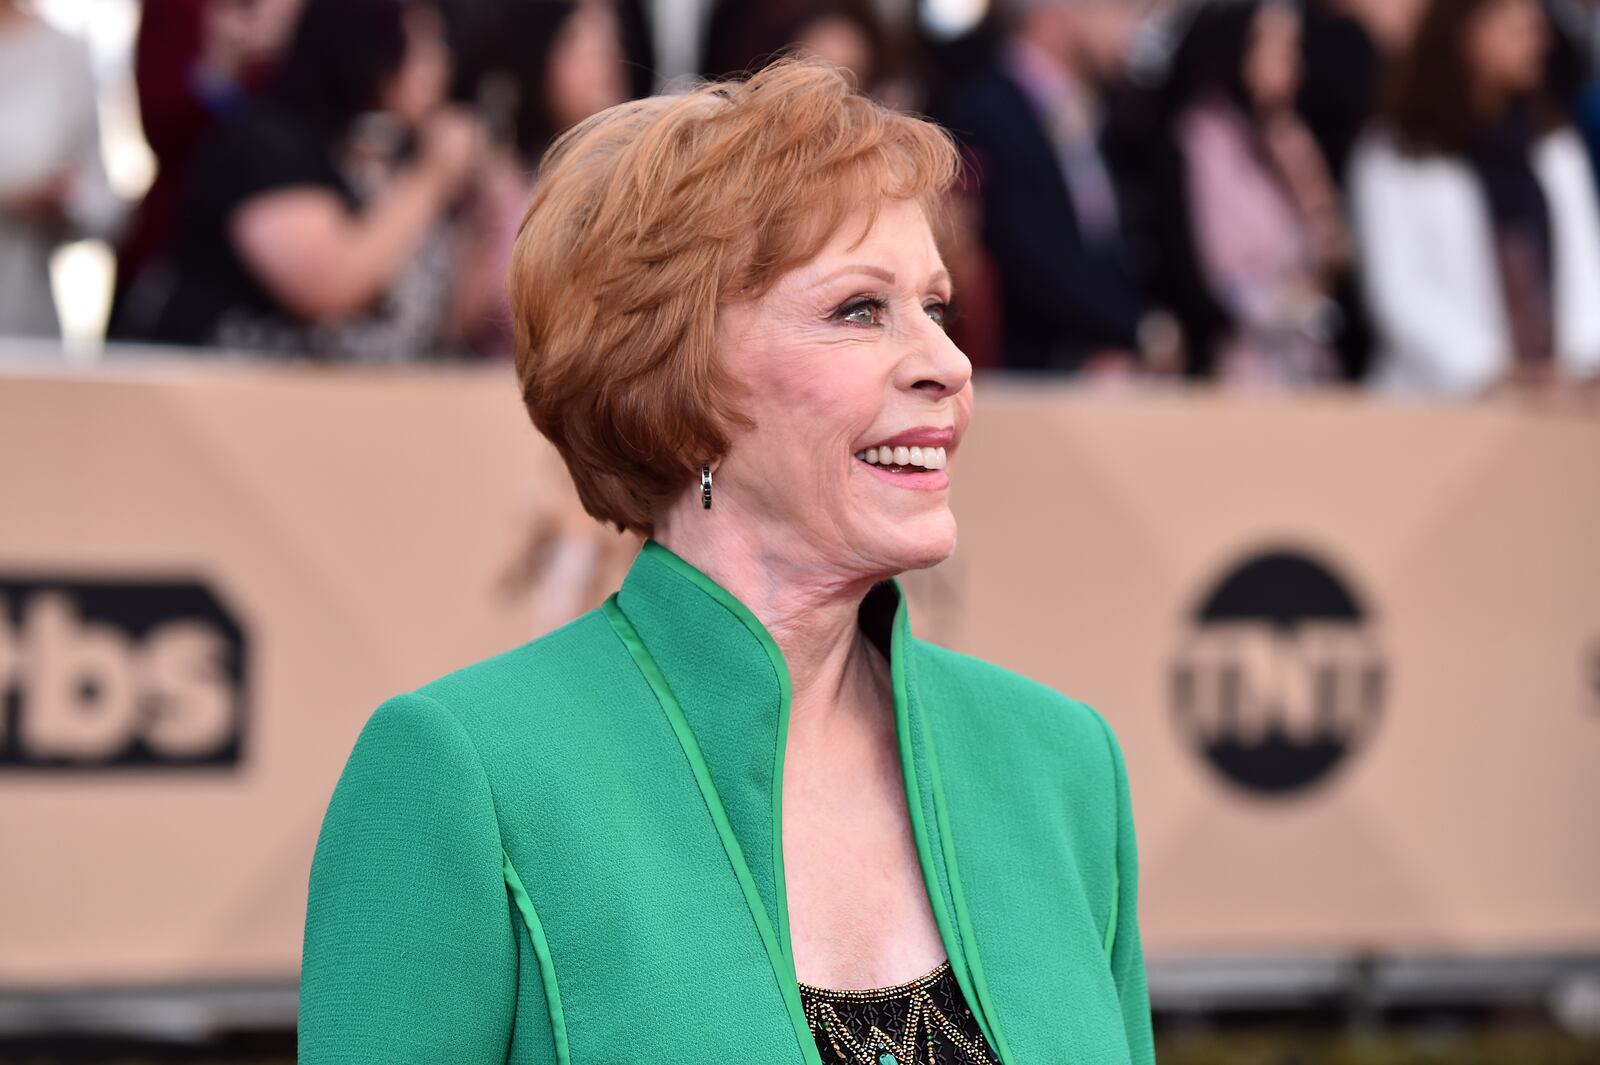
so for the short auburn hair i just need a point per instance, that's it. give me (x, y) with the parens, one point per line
(651, 215)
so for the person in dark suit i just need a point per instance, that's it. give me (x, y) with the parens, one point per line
(1031, 125)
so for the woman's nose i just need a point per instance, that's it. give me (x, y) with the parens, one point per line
(937, 366)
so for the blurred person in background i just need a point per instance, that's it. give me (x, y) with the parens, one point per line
(197, 64)
(534, 69)
(1576, 67)
(53, 185)
(742, 36)
(1032, 124)
(1477, 220)
(976, 323)
(1264, 212)
(312, 226)
(1348, 47)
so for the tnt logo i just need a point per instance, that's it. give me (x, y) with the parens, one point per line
(99, 674)
(1281, 679)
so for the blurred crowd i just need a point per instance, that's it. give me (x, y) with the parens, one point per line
(1264, 194)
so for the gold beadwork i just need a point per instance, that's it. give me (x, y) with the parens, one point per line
(921, 1013)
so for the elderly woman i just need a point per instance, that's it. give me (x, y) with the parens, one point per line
(738, 813)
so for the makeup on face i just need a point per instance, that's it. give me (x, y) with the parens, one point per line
(859, 399)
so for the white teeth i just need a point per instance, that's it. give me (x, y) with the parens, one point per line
(929, 458)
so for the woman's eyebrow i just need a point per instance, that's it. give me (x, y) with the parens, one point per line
(886, 276)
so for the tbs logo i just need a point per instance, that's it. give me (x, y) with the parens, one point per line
(1281, 678)
(97, 674)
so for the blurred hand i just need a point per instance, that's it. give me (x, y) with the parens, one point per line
(1311, 186)
(1162, 350)
(1541, 374)
(453, 144)
(1110, 365)
(1548, 389)
(44, 204)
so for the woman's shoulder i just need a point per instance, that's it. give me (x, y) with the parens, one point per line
(1383, 169)
(1381, 148)
(504, 703)
(548, 670)
(1214, 123)
(1562, 149)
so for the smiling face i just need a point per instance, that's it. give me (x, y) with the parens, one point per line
(1505, 43)
(846, 367)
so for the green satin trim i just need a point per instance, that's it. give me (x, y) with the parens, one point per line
(973, 984)
(782, 963)
(541, 949)
(1111, 922)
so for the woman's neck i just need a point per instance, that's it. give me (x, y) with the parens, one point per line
(1491, 103)
(810, 610)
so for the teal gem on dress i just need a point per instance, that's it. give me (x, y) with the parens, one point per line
(887, 1058)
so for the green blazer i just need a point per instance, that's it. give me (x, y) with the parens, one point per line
(571, 852)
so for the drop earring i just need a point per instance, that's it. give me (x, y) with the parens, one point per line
(705, 487)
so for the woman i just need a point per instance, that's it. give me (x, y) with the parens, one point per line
(53, 185)
(1476, 213)
(309, 230)
(848, 33)
(1263, 210)
(536, 67)
(196, 65)
(738, 813)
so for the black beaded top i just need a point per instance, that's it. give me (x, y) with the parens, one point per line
(923, 1022)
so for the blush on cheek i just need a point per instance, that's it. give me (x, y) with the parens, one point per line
(820, 411)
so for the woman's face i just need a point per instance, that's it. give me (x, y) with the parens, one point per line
(1505, 42)
(1272, 61)
(843, 43)
(1103, 33)
(586, 72)
(419, 85)
(843, 360)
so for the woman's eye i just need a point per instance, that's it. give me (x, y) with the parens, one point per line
(942, 313)
(862, 312)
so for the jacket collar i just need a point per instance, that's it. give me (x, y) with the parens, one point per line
(723, 683)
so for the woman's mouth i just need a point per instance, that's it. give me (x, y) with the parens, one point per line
(904, 459)
(917, 468)
(913, 458)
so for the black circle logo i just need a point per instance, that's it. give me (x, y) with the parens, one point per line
(1280, 679)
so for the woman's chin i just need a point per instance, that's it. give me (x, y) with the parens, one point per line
(919, 544)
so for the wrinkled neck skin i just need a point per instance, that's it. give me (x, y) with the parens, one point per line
(808, 603)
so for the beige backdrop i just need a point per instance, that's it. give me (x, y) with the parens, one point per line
(372, 530)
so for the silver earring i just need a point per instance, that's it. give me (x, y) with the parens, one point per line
(705, 487)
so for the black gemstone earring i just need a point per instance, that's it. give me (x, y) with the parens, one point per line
(705, 487)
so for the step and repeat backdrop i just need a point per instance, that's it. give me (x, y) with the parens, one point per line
(1352, 650)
